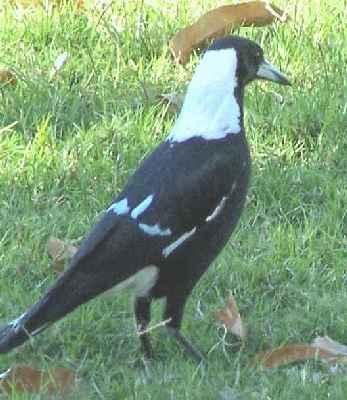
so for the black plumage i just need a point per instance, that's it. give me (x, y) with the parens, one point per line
(176, 212)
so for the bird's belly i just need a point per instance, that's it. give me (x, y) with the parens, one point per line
(187, 261)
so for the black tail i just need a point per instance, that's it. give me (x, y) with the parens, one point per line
(70, 291)
(93, 270)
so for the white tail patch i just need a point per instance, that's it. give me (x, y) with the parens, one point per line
(142, 282)
(210, 108)
(142, 207)
(173, 246)
(120, 208)
(145, 280)
(217, 210)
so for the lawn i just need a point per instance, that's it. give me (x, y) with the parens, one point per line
(68, 144)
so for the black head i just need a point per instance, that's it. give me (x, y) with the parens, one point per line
(251, 63)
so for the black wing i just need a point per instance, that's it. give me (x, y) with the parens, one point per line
(186, 181)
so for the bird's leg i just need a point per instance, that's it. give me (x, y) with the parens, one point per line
(174, 312)
(187, 345)
(143, 316)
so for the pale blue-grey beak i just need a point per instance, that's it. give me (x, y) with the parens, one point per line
(271, 73)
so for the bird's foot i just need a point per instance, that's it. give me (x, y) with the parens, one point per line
(192, 351)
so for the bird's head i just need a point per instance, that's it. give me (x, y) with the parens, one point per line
(213, 106)
(251, 63)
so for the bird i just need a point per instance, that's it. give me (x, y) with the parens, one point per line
(177, 210)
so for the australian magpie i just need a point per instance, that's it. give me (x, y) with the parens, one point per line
(177, 210)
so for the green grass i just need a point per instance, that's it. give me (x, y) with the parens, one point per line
(73, 141)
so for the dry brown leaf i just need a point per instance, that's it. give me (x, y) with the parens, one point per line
(7, 77)
(24, 378)
(60, 252)
(231, 319)
(288, 354)
(322, 349)
(218, 22)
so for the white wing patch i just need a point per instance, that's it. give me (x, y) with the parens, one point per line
(217, 210)
(142, 207)
(173, 246)
(210, 108)
(120, 208)
(155, 230)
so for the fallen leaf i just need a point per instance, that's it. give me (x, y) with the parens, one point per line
(219, 21)
(231, 319)
(286, 354)
(298, 352)
(24, 378)
(60, 252)
(7, 77)
(173, 100)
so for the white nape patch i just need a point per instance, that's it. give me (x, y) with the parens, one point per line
(142, 282)
(210, 109)
(217, 210)
(173, 246)
(16, 323)
(155, 230)
(142, 207)
(120, 208)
